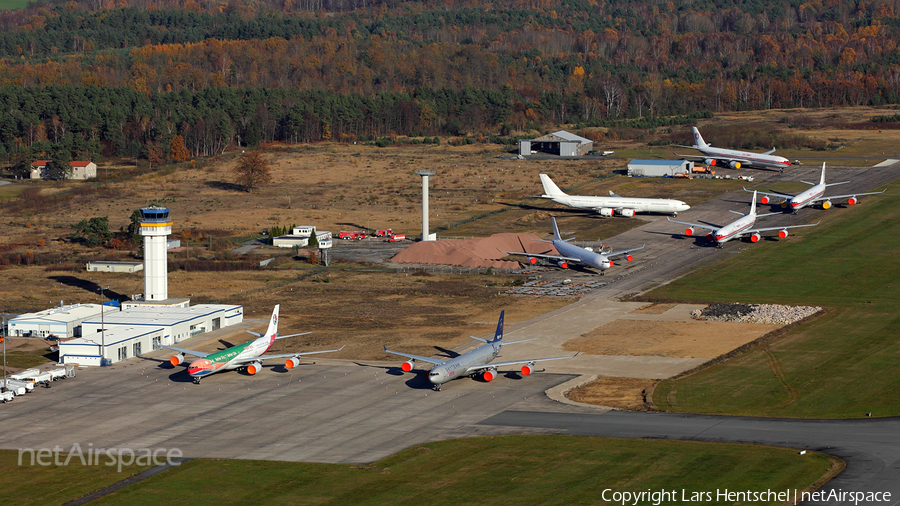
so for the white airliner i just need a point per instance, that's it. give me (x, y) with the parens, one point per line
(813, 195)
(569, 253)
(477, 361)
(614, 204)
(740, 227)
(732, 158)
(248, 355)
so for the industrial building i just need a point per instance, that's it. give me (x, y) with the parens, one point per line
(299, 237)
(559, 143)
(659, 168)
(114, 266)
(61, 322)
(119, 335)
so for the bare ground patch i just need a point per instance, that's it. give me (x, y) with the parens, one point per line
(667, 339)
(654, 308)
(622, 393)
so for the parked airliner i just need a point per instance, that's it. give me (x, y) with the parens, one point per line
(569, 253)
(612, 205)
(477, 361)
(740, 227)
(813, 195)
(248, 355)
(732, 158)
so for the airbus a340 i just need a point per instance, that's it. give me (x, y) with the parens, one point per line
(813, 195)
(739, 228)
(733, 158)
(612, 205)
(477, 361)
(248, 355)
(569, 253)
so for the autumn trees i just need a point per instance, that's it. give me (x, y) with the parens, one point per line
(252, 170)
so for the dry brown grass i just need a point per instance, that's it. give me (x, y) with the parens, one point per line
(621, 393)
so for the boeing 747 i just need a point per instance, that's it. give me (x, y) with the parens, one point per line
(472, 363)
(733, 158)
(612, 205)
(248, 355)
(569, 253)
(739, 227)
(813, 195)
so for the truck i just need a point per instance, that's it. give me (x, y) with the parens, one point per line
(7, 396)
(356, 235)
(384, 233)
(24, 375)
(58, 373)
(702, 169)
(19, 387)
(396, 238)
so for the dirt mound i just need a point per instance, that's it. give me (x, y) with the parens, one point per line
(479, 252)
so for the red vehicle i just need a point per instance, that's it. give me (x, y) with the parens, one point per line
(384, 233)
(396, 238)
(356, 235)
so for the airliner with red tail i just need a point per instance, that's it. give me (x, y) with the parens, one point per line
(247, 356)
(813, 195)
(739, 228)
(472, 363)
(733, 158)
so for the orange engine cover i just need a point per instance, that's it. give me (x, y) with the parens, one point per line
(527, 369)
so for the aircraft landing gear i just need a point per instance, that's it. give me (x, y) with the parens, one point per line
(196, 381)
(436, 388)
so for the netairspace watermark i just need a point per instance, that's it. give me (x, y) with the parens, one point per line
(657, 497)
(119, 457)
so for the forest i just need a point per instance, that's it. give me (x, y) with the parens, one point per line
(102, 78)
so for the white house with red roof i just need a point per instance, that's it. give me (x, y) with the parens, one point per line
(80, 170)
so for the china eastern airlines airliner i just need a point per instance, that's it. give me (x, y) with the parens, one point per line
(247, 356)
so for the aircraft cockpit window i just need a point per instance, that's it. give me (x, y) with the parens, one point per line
(434, 374)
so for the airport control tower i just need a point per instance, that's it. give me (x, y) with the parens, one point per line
(155, 227)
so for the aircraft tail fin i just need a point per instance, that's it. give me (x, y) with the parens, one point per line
(550, 188)
(770, 151)
(498, 335)
(556, 235)
(698, 139)
(272, 331)
(753, 204)
(822, 179)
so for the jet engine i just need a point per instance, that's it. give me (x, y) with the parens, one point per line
(407, 366)
(527, 369)
(628, 213)
(611, 263)
(755, 238)
(489, 375)
(689, 231)
(254, 368)
(852, 201)
(709, 237)
(734, 164)
(764, 200)
(291, 363)
(710, 161)
(784, 205)
(605, 211)
(782, 234)
(629, 258)
(563, 264)
(826, 204)
(177, 359)
(532, 260)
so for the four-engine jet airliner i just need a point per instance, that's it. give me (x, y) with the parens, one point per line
(813, 195)
(612, 205)
(733, 158)
(740, 227)
(569, 253)
(477, 361)
(248, 355)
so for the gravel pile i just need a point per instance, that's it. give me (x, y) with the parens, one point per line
(755, 313)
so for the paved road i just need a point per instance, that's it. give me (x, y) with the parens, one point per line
(871, 448)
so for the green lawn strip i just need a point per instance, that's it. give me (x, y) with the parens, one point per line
(843, 365)
(488, 470)
(34, 484)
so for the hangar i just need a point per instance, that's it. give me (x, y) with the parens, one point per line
(559, 143)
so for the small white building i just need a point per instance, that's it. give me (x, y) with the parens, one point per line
(659, 168)
(129, 333)
(80, 170)
(114, 266)
(61, 322)
(302, 241)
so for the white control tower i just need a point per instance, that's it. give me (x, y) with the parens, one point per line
(155, 227)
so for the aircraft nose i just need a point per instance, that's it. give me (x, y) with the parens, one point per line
(683, 207)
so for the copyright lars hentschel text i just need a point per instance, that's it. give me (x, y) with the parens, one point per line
(657, 497)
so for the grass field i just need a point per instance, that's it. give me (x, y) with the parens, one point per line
(842, 365)
(491, 470)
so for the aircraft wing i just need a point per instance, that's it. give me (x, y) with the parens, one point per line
(416, 357)
(283, 355)
(769, 229)
(835, 197)
(617, 253)
(543, 255)
(772, 194)
(705, 227)
(198, 354)
(494, 365)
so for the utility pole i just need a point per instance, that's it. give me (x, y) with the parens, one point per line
(5, 384)
(102, 327)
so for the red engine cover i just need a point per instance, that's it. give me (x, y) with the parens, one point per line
(611, 263)
(764, 200)
(532, 260)
(782, 234)
(252, 369)
(629, 258)
(489, 375)
(754, 238)
(564, 265)
(689, 231)
(852, 202)
(526, 370)
(406, 366)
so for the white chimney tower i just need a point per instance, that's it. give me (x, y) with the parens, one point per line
(425, 174)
